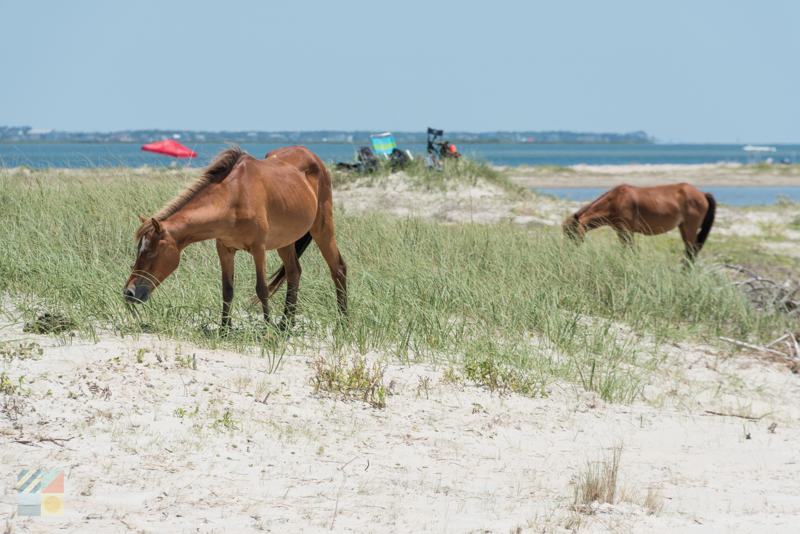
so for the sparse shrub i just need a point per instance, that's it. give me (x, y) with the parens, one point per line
(424, 386)
(356, 379)
(499, 377)
(6, 386)
(451, 377)
(21, 351)
(189, 362)
(227, 422)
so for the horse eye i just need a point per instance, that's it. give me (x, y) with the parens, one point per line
(152, 255)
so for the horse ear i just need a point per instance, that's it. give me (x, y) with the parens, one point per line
(156, 226)
(143, 219)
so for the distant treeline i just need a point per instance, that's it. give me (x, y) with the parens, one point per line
(26, 133)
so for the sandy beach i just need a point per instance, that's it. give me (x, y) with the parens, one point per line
(731, 175)
(158, 435)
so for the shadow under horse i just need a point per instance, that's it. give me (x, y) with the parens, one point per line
(649, 211)
(279, 203)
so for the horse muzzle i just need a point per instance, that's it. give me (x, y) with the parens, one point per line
(136, 294)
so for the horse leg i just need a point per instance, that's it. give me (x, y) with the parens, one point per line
(326, 241)
(262, 288)
(226, 256)
(291, 263)
(690, 242)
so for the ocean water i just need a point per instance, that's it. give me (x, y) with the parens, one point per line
(731, 196)
(44, 155)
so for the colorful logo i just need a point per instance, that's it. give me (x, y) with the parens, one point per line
(40, 492)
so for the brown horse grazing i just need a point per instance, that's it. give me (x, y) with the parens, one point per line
(280, 202)
(648, 211)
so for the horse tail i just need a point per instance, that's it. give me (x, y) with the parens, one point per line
(279, 276)
(705, 228)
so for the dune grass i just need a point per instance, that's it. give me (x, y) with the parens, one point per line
(508, 303)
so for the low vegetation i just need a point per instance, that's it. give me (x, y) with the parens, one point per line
(355, 378)
(454, 172)
(516, 309)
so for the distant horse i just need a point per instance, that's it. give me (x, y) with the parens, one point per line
(280, 202)
(649, 211)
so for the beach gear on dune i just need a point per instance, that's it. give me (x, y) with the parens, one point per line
(366, 162)
(170, 148)
(385, 145)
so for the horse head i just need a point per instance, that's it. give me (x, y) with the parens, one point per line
(158, 257)
(573, 229)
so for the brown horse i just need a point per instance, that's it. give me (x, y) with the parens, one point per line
(648, 211)
(280, 202)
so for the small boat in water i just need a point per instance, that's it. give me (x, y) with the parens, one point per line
(751, 148)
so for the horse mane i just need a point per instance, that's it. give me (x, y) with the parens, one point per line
(577, 214)
(217, 171)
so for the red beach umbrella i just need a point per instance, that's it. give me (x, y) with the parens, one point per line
(170, 148)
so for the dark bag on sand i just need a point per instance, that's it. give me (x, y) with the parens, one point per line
(367, 162)
(398, 159)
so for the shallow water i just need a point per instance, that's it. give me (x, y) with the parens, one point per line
(731, 196)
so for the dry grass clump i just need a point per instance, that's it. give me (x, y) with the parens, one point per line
(356, 379)
(653, 502)
(599, 483)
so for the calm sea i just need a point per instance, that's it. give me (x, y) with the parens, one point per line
(43, 155)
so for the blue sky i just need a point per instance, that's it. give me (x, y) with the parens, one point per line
(684, 71)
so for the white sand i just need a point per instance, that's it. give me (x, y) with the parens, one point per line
(457, 460)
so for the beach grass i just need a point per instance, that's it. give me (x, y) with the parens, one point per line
(515, 307)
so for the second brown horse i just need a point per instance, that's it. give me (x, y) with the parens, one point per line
(280, 202)
(649, 211)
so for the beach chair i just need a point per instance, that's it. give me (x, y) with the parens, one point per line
(433, 135)
(442, 149)
(383, 144)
